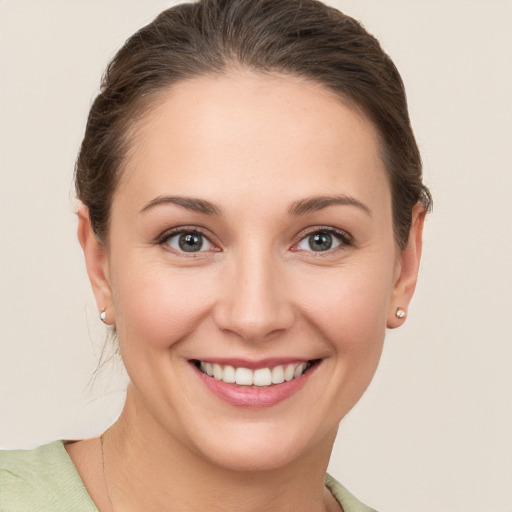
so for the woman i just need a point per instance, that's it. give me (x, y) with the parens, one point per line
(251, 220)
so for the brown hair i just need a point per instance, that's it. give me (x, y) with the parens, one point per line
(300, 37)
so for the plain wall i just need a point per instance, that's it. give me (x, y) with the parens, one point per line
(434, 431)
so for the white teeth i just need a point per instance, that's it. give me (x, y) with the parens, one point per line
(262, 377)
(229, 374)
(209, 369)
(277, 375)
(289, 372)
(247, 377)
(299, 370)
(217, 372)
(243, 376)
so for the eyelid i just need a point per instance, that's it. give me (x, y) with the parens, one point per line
(345, 238)
(179, 230)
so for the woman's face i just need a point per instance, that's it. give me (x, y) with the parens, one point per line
(251, 236)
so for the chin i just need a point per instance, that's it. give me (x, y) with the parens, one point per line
(261, 446)
(251, 457)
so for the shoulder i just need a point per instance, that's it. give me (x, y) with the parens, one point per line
(43, 479)
(349, 502)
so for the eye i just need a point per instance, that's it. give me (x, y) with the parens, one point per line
(323, 240)
(188, 241)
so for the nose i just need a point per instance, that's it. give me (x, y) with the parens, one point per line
(254, 302)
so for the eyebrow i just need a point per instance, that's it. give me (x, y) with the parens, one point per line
(316, 203)
(190, 203)
(300, 207)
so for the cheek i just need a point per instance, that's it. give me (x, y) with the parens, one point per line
(357, 301)
(348, 306)
(157, 306)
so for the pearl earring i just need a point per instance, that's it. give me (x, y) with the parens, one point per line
(400, 313)
(103, 316)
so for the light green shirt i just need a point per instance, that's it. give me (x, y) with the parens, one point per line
(46, 480)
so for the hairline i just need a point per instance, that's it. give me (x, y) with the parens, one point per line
(146, 105)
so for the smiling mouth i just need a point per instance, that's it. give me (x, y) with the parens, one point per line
(260, 377)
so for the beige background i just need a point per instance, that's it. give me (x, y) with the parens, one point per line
(434, 432)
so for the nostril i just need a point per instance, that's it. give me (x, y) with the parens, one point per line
(253, 325)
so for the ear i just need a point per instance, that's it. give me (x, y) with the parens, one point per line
(407, 269)
(96, 261)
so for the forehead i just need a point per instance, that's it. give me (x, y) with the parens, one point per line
(246, 132)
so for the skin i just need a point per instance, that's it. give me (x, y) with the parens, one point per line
(254, 146)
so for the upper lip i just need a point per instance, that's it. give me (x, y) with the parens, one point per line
(252, 364)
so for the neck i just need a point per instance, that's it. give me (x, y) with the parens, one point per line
(147, 469)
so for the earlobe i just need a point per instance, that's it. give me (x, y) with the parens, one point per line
(96, 261)
(405, 284)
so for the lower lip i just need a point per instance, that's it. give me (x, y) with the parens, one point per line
(255, 397)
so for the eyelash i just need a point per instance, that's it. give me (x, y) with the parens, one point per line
(345, 239)
(164, 239)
